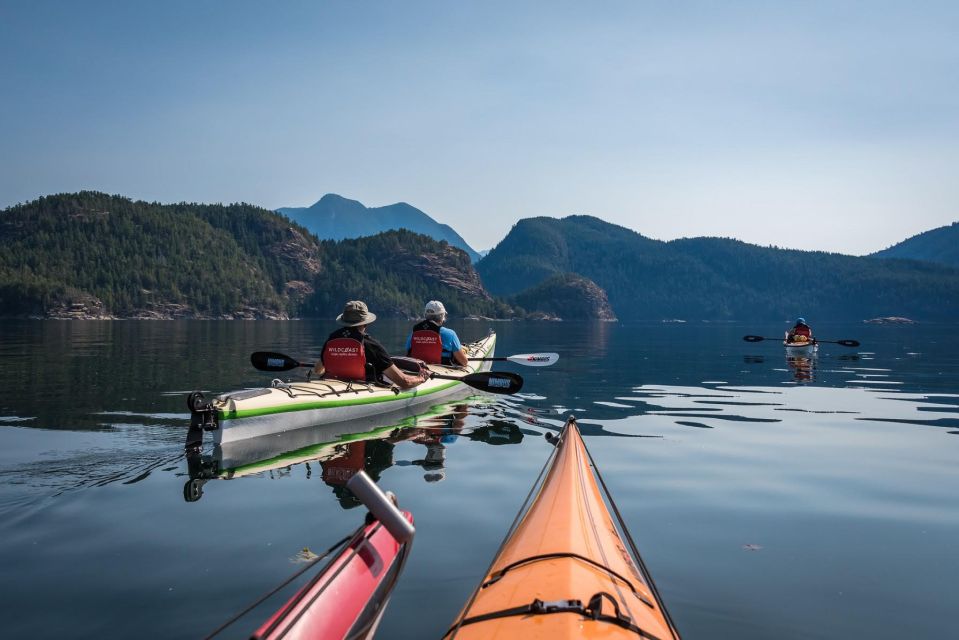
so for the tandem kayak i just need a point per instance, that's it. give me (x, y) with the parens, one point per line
(564, 571)
(286, 406)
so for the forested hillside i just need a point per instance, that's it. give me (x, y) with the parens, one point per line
(936, 245)
(566, 296)
(715, 278)
(399, 271)
(93, 255)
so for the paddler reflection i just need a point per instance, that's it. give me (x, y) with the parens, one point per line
(371, 456)
(435, 433)
(803, 368)
(444, 430)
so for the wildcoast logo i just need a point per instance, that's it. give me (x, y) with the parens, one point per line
(275, 362)
(344, 351)
(499, 383)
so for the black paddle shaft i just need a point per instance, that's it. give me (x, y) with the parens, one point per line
(845, 343)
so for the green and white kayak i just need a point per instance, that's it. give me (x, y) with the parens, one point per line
(286, 406)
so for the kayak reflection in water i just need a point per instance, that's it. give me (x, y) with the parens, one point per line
(351, 354)
(433, 343)
(802, 368)
(801, 332)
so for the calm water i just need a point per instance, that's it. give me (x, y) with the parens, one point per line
(770, 498)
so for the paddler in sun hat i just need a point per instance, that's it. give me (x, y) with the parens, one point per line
(801, 332)
(351, 354)
(433, 343)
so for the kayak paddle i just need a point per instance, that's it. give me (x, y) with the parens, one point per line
(525, 359)
(270, 361)
(489, 381)
(845, 343)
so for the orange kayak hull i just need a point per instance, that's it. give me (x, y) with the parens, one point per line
(566, 549)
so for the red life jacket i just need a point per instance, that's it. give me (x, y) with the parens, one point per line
(802, 330)
(425, 343)
(344, 359)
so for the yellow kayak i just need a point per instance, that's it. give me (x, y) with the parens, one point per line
(565, 571)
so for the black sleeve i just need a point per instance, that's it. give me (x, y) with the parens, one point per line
(376, 355)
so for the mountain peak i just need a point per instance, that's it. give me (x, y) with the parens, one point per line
(335, 217)
(335, 198)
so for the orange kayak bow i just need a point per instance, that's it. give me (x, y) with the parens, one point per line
(565, 571)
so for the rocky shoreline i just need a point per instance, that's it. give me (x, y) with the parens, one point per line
(890, 320)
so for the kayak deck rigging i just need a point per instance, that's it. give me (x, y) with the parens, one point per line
(565, 554)
(357, 387)
(592, 611)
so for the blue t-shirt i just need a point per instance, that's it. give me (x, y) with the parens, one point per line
(451, 342)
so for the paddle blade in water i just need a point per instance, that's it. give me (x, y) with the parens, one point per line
(535, 359)
(269, 361)
(753, 338)
(848, 343)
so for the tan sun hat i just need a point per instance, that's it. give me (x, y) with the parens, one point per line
(355, 314)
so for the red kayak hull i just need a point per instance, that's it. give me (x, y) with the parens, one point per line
(348, 596)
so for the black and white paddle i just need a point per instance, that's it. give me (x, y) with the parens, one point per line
(845, 343)
(525, 359)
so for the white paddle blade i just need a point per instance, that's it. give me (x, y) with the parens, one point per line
(535, 359)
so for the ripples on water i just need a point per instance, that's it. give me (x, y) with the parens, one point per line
(771, 496)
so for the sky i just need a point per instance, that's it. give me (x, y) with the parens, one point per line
(812, 125)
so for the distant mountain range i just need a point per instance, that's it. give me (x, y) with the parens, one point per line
(91, 255)
(936, 245)
(714, 278)
(336, 218)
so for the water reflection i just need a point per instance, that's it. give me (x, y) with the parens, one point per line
(803, 367)
(342, 450)
(846, 465)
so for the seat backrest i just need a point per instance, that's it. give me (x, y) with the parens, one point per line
(427, 346)
(344, 359)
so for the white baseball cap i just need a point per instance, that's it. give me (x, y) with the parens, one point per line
(435, 309)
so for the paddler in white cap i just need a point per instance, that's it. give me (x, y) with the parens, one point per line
(433, 343)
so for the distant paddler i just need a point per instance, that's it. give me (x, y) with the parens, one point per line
(433, 343)
(801, 333)
(350, 354)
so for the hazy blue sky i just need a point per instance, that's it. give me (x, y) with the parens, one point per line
(826, 125)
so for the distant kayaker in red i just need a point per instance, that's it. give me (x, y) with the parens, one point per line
(350, 354)
(801, 332)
